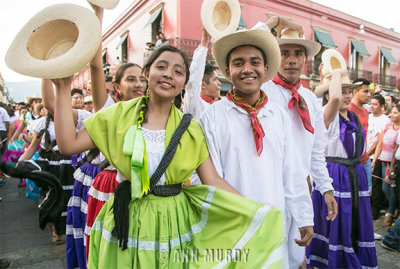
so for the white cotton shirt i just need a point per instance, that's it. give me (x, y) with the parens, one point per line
(82, 116)
(333, 145)
(310, 147)
(376, 125)
(4, 118)
(39, 125)
(155, 148)
(192, 102)
(271, 178)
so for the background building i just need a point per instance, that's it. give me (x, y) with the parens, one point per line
(371, 51)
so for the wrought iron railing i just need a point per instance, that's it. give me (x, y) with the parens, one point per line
(358, 73)
(386, 80)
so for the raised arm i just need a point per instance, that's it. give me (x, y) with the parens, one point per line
(33, 146)
(99, 91)
(49, 99)
(335, 97)
(68, 140)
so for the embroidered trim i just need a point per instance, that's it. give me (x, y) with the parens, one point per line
(101, 196)
(318, 259)
(78, 202)
(156, 245)
(83, 178)
(276, 255)
(77, 232)
(251, 230)
(68, 187)
(341, 247)
(55, 162)
(348, 194)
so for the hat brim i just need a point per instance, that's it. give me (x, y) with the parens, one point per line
(21, 61)
(320, 89)
(107, 4)
(261, 39)
(312, 47)
(207, 19)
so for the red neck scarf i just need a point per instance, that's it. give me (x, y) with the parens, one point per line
(258, 131)
(208, 100)
(297, 100)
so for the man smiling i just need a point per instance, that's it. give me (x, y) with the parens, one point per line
(249, 137)
(305, 114)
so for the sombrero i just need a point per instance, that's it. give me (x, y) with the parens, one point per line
(35, 96)
(261, 39)
(346, 83)
(56, 43)
(291, 36)
(332, 59)
(220, 17)
(108, 4)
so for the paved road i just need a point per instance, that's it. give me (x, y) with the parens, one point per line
(25, 245)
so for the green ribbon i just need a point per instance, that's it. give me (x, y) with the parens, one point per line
(135, 146)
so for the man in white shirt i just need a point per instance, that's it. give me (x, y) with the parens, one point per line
(203, 87)
(305, 114)
(376, 124)
(249, 138)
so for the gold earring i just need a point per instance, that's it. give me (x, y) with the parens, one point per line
(148, 93)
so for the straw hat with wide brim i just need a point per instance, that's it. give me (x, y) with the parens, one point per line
(107, 4)
(56, 43)
(261, 39)
(34, 97)
(291, 36)
(332, 59)
(346, 83)
(220, 17)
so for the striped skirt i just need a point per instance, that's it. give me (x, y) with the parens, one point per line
(60, 166)
(332, 246)
(76, 215)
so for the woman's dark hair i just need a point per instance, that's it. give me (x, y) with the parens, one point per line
(121, 71)
(48, 144)
(156, 53)
(379, 98)
(397, 106)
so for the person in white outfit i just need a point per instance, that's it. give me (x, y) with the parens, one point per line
(306, 117)
(203, 87)
(250, 138)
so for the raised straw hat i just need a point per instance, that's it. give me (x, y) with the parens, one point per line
(56, 43)
(220, 17)
(332, 60)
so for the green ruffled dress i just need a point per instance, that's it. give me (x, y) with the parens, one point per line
(202, 227)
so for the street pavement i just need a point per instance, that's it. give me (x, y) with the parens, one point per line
(25, 245)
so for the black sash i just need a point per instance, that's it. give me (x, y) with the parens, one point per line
(350, 164)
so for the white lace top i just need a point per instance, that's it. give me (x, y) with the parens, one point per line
(155, 148)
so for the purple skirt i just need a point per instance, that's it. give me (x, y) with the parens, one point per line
(76, 215)
(331, 246)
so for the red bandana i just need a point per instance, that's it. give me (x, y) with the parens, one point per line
(258, 131)
(297, 100)
(208, 100)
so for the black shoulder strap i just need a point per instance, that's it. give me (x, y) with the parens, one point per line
(171, 149)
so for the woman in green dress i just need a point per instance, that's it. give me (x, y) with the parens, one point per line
(151, 222)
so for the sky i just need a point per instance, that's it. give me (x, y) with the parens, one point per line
(15, 13)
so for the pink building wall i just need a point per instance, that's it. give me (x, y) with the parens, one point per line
(182, 19)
